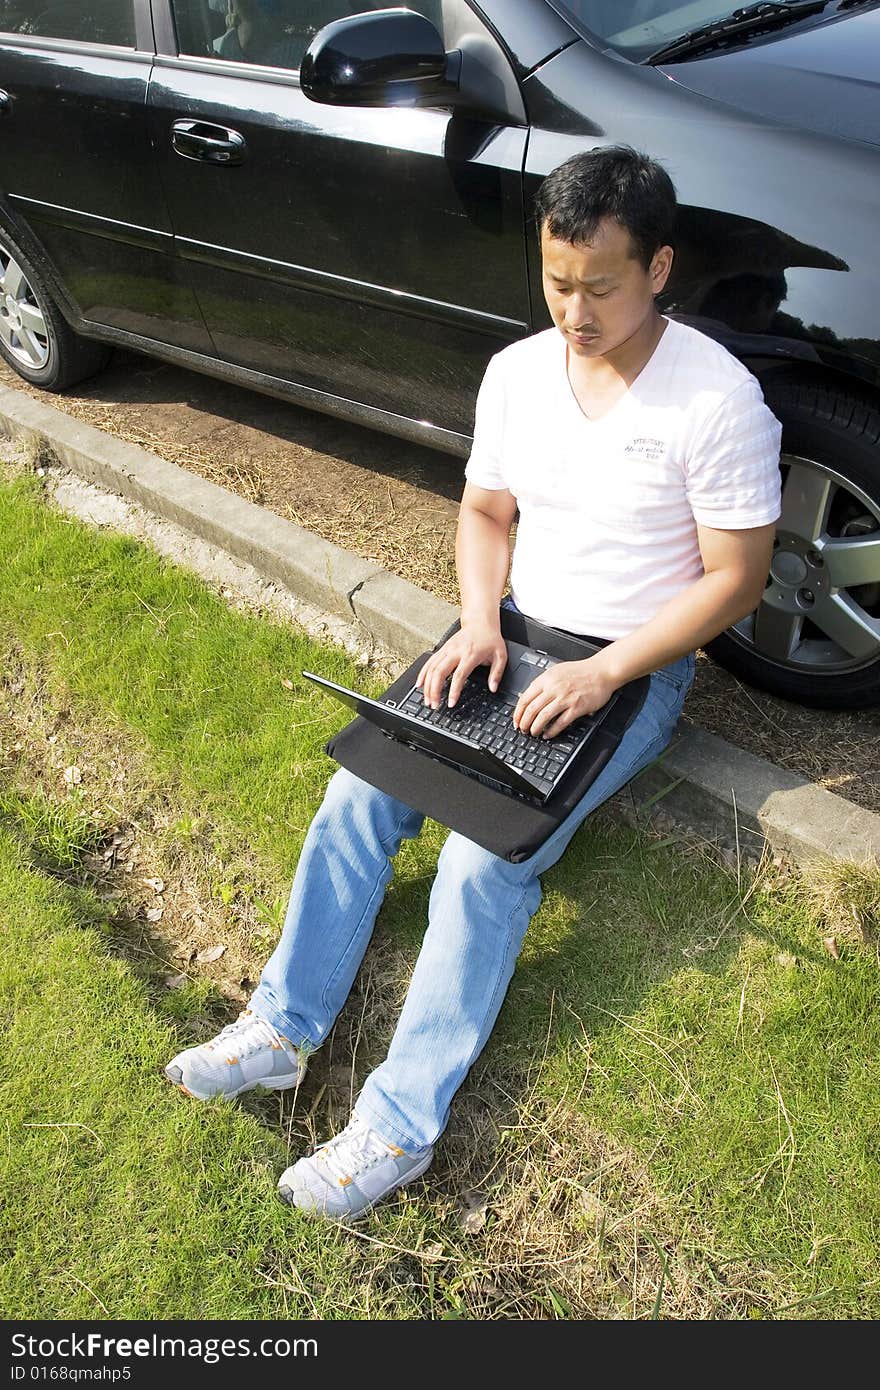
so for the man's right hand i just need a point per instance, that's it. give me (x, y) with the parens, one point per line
(475, 644)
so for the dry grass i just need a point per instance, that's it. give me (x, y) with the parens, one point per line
(415, 544)
(845, 899)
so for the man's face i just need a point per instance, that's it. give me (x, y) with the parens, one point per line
(600, 295)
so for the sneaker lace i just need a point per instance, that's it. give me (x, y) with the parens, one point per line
(250, 1033)
(357, 1147)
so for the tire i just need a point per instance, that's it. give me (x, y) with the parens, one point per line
(815, 639)
(35, 338)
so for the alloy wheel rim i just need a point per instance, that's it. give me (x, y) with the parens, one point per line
(23, 327)
(820, 612)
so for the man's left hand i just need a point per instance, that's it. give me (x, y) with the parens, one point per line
(566, 692)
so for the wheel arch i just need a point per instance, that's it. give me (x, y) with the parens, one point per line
(772, 371)
(833, 423)
(26, 238)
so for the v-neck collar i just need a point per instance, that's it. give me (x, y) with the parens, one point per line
(621, 400)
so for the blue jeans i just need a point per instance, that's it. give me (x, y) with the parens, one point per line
(480, 907)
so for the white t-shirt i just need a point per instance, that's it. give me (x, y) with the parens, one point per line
(608, 509)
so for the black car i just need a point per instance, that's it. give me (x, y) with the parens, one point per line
(334, 207)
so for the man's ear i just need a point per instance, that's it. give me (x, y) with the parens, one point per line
(661, 265)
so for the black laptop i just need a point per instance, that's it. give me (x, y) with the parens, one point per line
(477, 735)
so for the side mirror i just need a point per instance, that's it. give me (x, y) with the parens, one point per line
(383, 58)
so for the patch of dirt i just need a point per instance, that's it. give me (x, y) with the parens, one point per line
(397, 504)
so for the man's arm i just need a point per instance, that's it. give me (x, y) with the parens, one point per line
(735, 565)
(482, 559)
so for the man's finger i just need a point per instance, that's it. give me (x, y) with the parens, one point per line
(537, 723)
(444, 664)
(434, 686)
(454, 690)
(528, 709)
(557, 726)
(459, 676)
(519, 713)
(428, 682)
(544, 717)
(524, 700)
(496, 670)
(427, 674)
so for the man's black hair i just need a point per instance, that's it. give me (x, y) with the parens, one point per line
(615, 182)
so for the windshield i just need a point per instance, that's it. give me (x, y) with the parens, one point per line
(638, 28)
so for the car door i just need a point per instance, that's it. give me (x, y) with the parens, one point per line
(78, 177)
(372, 256)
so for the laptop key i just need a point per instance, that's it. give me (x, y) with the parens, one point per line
(487, 720)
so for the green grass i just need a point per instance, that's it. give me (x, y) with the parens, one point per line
(117, 1198)
(60, 833)
(144, 642)
(676, 1115)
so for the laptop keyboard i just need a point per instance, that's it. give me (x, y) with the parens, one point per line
(487, 719)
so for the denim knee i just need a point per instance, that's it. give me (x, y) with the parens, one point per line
(342, 789)
(351, 802)
(493, 886)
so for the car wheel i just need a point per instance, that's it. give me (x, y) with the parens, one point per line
(35, 339)
(815, 639)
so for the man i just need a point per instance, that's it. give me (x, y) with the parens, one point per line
(255, 34)
(643, 463)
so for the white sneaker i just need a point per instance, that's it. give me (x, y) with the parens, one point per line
(245, 1054)
(349, 1174)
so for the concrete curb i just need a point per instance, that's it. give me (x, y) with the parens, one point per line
(745, 803)
(702, 782)
(405, 619)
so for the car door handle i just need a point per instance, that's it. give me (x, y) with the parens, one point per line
(214, 144)
(5, 103)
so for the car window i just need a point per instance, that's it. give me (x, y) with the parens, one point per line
(638, 27)
(88, 21)
(275, 33)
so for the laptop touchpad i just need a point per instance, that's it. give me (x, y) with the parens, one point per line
(519, 675)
